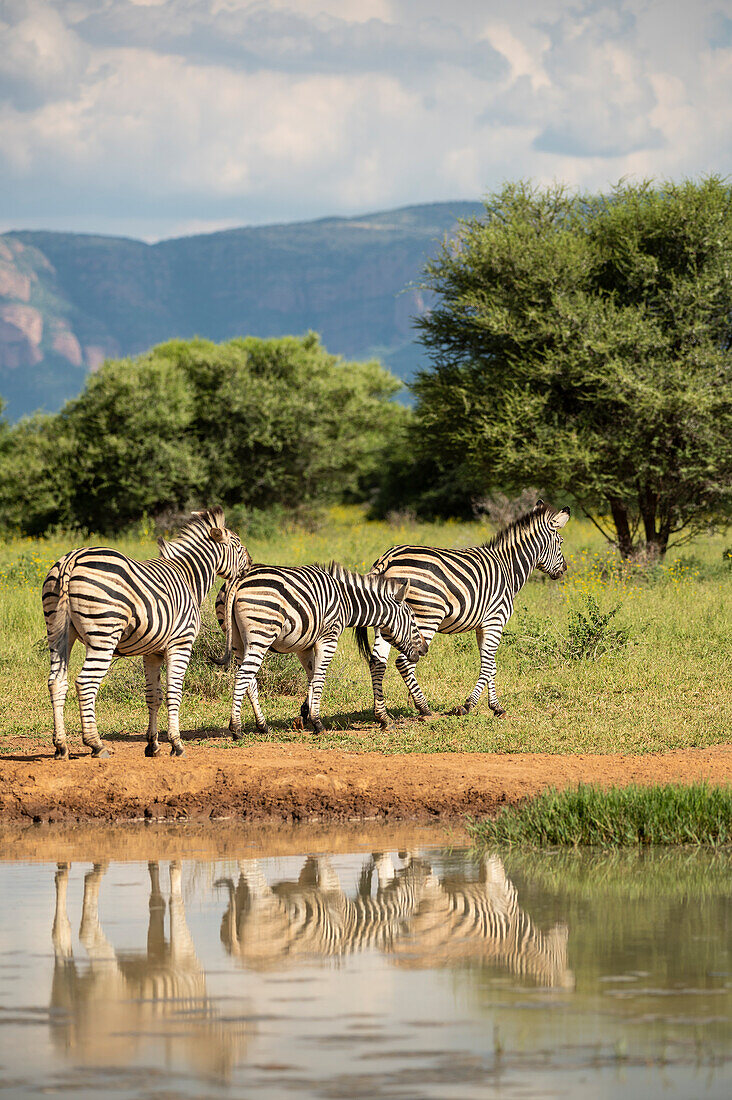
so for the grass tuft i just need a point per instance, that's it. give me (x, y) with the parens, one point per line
(699, 813)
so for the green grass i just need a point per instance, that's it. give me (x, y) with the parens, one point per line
(611, 658)
(615, 817)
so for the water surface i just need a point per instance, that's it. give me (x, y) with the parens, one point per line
(401, 972)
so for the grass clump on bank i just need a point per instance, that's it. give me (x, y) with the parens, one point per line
(615, 817)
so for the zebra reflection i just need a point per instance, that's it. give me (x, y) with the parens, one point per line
(265, 925)
(413, 915)
(102, 1012)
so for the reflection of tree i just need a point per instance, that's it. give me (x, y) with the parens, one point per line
(413, 914)
(121, 998)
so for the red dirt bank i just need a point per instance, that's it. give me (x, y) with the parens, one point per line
(301, 783)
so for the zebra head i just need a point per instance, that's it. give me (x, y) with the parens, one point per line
(400, 629)
(550, 523)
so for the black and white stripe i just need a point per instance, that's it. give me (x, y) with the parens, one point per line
(452, 591)
(304, 610)
(119, 607)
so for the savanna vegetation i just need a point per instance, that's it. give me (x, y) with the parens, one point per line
(617, 656)
(584, 343)
(695, 814)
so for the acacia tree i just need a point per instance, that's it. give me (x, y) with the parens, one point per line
(584, 344)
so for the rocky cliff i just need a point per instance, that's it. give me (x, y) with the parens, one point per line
(68, 301)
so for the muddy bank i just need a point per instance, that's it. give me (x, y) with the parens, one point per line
(293, 783)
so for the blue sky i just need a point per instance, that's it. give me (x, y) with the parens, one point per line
(157, 118)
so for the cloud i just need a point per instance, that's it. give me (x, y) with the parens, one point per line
(40, 57)
(146, 116)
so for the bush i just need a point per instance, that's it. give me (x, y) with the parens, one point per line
(537, 641)
(257, 424)
(587, 814)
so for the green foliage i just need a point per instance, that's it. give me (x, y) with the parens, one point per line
(259, 424)
(588, 814)
(537, 641)
(584, 343)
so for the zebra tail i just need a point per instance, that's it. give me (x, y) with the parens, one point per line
(362, 641)
(229, 596)
(58, 628)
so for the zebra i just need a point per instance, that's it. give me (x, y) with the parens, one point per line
(119, 607)
(304, 610)
(452, 591)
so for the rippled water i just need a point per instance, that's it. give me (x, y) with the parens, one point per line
(410, 973)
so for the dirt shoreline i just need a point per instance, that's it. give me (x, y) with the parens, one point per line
(294, 783)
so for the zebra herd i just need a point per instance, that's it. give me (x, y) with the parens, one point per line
(119, 607)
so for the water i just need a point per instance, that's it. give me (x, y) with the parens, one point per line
(309, 966)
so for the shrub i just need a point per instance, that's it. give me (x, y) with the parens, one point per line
(663, 814)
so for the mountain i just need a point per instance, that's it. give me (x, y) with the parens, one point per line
(69, 300)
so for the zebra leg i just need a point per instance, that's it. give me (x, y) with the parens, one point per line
(246, 674)
(488, 642)
(177, 662)
(322, 651)
(407, 671)
(377, 668)
(58, 686)
(253, 693)
(307, 660)
(96, 664)
(153, 698)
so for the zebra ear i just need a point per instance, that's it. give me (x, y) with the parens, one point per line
(217, 534)
(560, 518)
(539, 505)
(402, 592)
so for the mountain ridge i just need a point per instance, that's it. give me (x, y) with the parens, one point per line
(70, 300)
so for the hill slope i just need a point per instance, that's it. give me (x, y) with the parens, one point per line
(68, 300)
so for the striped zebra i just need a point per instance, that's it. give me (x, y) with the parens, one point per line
(304, 610)
(119, 607)
(452, 591)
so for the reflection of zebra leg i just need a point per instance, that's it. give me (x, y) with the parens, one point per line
(182, 949)
(91, 935)
(385, 869)
(61, 934)
(156, 918)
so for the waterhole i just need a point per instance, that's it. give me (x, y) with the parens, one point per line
(168, 962)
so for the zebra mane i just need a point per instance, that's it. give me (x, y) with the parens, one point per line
(371, 582)
(195, 524)
(516, 531)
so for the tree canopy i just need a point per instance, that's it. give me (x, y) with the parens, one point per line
(251, 422)
(584, 344)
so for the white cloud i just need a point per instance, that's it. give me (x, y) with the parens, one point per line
(150, 115)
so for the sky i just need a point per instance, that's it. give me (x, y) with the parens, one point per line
(161, 118)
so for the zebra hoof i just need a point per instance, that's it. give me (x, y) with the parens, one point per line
(263, 730)
(61, 753)
(500, 714)
(425, 715)
(152, 749)
(236, 734)
(177, 749)
(318, 729)
(459, 711)
(100, 754)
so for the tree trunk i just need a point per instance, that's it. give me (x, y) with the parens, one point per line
(657, 528)
(622, 527)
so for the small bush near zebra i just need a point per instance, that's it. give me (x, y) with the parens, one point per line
(589, 633)
(615, 817)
